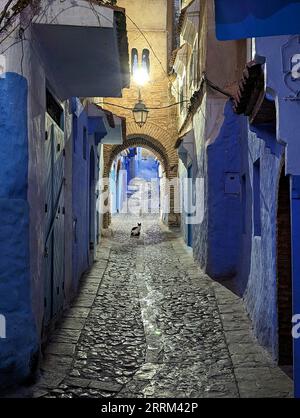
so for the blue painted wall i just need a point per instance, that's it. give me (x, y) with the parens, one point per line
(87, 133)
(227, 244)
(224, 198)
(238, 249)
(216, 240)
(278, 53)
(295, 209)
(257, 270)
(147, 168)
(80, 198)
(19, 351)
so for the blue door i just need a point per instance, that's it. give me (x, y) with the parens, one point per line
(92, 207)
(54, 221)
(190, 199)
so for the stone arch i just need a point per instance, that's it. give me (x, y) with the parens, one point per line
(163, 149)
(144, 141)
(166, 137)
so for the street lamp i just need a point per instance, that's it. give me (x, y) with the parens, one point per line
(140, 112)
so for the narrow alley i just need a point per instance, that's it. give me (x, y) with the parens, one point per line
(148, 323)
(149, 199)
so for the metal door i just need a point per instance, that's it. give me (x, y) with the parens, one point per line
(54, 220)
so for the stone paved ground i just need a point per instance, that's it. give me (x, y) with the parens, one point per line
(149, 323)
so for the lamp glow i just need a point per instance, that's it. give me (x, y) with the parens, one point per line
(141, 76)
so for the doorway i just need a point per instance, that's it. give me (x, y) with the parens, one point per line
(54, 222)
(92, 206)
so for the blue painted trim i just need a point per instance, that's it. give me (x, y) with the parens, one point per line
(236, 19)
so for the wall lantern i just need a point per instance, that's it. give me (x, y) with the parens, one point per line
(140, 113)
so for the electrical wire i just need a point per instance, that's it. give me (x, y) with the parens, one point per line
(217, 88)
(149, 108)
(203, 81)
(97, 14)
(148, 42)
(141, 32)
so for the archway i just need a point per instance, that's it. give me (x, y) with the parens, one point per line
(141, 141)
(169, 171)
(136, 178)
(284, 272)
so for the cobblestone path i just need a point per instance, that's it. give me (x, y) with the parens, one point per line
(149, 323)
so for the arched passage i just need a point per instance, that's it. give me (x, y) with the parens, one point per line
(284, 272)
(141, 141)
(158, 149)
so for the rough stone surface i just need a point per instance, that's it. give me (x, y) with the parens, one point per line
(157, 327)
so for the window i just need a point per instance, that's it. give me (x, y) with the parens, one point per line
(140, 71)
(54, 109)
(256, 199)
(134, 61)
(146, 61)
(84, 143)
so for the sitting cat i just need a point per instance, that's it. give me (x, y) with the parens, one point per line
(136, 231)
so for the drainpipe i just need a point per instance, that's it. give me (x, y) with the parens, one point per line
(295, 215)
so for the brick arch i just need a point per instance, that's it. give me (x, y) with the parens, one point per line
(159, 141)
(144, 141)
(165, 137)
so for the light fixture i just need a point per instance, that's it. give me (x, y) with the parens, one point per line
(141, 76)
(140, 112)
